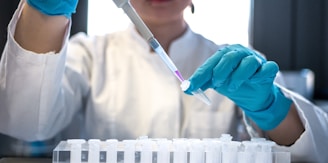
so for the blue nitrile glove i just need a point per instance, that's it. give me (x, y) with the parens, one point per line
(54, 7)
(246, 78)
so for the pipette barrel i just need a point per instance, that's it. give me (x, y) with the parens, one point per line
(165, 58)
(134, 17)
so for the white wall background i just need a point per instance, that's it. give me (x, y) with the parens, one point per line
(223, 21)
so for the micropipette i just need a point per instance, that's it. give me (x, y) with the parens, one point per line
(146, 34)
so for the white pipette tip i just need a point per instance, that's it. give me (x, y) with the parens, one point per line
(198, 93)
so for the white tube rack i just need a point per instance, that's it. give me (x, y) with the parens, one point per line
(181, 150)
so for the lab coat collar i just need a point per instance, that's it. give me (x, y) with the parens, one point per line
(184, 45)
(134, 33)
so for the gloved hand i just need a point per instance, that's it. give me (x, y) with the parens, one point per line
(246, 78)
(54, 7)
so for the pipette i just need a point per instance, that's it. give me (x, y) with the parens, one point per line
(146, 34)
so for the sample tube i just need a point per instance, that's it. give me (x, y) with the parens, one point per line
(197, 151)
(76, 150)
(229, 149)
(94, 151)
(146, 151)
(180, 151)
(212, 150)
(248, 154)
(111, 150)
(265, 155)
(163, 154)
(198, 93)
(129, 150)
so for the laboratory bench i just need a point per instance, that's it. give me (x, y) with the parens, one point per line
(25, 160)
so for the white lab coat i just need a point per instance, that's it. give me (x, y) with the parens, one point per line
(115, 87)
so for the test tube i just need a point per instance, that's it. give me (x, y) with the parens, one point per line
(129, 151)
(198, 93)
(225, 138)
(212, 150)
(146, 151)
(163, 154)
(248, 154)
(94, 151)
(229, 149)
(75, 150)
(155, 45)
(111, 151)
(265, 155)
(180, 151)
(196, 151)
(230, 152)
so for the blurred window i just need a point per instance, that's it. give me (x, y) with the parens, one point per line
(223, 21)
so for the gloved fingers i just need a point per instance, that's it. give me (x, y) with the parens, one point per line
(215, 71)
(198, 79)
(204, 73)
(207, 85)
(266, 73)
(54, 7)
(245, 70)
(227, 66)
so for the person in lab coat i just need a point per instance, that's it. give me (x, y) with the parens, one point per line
(115, 86)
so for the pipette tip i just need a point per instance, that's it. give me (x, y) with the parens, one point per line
(202, 96)
(198, 93)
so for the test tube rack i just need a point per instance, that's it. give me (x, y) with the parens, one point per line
(180, 150)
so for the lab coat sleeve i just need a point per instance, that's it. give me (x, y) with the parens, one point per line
(312, 144)
(36, 101)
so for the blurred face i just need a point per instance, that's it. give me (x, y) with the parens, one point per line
(160, 11)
